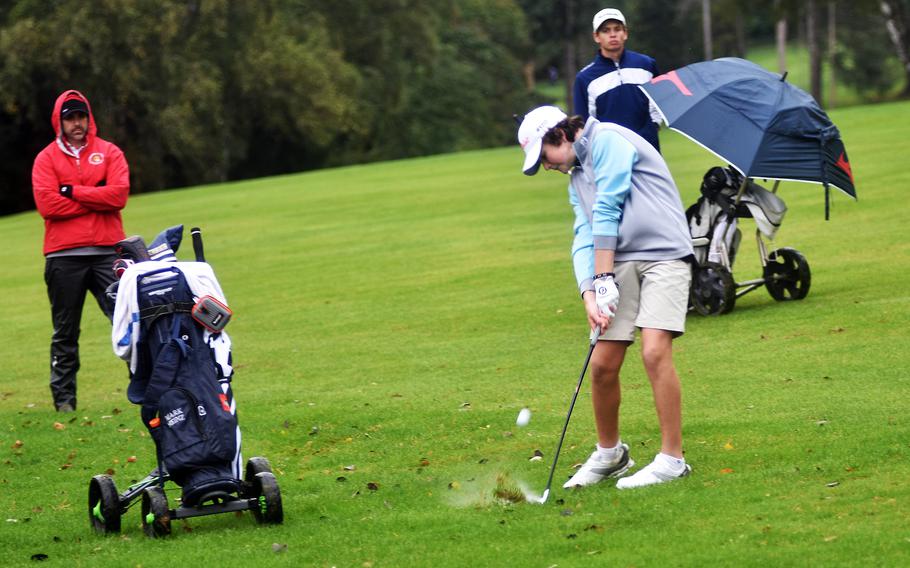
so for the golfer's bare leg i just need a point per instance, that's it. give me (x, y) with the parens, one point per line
(605, 391)
(657, 355)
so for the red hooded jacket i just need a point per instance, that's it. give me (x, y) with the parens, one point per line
(100, 178)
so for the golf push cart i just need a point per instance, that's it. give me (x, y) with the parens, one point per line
(168, 323)
(727, 196)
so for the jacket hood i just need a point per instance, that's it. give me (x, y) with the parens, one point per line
(55, 116)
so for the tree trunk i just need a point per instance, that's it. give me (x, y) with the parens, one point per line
(570, 60)
(815, 60)
(706, 29)
(832, 53)
(897, 31)
(781, 40)
(740, 34)
(528, 71)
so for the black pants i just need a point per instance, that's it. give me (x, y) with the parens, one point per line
(68, 279)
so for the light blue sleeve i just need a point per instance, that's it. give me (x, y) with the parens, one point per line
(613, 157)
(582, 245)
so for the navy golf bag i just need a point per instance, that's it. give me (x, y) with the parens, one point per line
(168, 323)
(186, 399)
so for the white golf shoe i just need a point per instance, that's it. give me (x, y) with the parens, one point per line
(658, 471)
(596, 469)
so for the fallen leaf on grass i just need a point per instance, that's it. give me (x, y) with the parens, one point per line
(59, 426)
(728, 446)
(454, 485)
(726, 470)
(830, 538)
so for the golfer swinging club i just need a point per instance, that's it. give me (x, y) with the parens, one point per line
(630, 254)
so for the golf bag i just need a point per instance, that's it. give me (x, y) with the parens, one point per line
(713, 218)
(180, 373)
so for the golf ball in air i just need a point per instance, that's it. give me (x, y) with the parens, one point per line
(523, 417)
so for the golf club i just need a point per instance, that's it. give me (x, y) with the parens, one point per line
(196, 232)
(546, 492)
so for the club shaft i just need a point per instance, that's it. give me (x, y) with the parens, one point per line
(565, 426)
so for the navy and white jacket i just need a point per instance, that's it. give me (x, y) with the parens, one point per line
(610, 93)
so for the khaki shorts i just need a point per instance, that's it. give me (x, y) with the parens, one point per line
(653, 295)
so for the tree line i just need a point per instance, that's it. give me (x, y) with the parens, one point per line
(201, 91)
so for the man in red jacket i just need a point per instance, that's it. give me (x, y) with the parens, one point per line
(80, 183)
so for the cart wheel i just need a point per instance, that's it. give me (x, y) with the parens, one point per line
(156, 518)
(787, 275)
(254, 466)
(103, 505)
(713, 290)
(267, 509)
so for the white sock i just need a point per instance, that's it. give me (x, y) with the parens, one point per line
(673, 464)
(610, 453)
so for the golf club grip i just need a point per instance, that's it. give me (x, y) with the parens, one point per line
(196, 232)
(581, 378)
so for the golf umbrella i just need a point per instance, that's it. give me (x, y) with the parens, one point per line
(755, 121)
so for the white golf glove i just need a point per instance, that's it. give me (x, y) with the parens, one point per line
(606, 295)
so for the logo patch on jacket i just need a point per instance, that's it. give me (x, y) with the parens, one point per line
(96, 158)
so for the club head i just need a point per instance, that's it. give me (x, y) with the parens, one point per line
(543, 498)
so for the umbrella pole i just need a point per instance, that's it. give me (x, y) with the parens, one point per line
(739, 197)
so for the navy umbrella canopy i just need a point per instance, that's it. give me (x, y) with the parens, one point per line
(754, 120)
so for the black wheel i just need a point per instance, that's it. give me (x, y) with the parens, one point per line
(104, 505)
(787, 275)
(267, 508)
(713, 290)
(254, 466)
(156, 517)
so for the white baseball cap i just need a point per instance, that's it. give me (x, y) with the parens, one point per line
(530, 134)
(608, 14)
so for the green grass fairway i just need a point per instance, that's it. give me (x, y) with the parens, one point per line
(390, 322)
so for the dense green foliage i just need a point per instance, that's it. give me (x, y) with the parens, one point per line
(206, 91)
(393, 318)
(203, 91)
